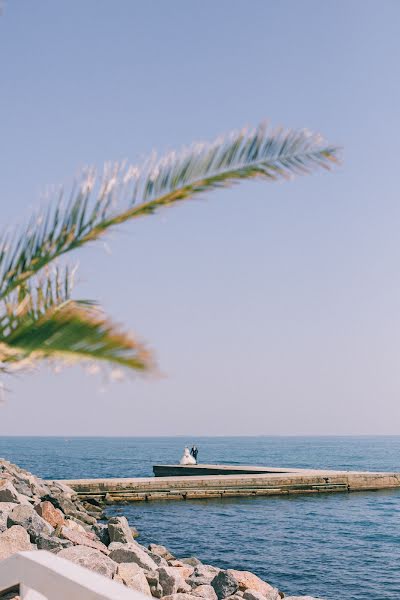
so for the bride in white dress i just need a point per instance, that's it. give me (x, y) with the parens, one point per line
(187, 458)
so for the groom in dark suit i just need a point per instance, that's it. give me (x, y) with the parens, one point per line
(194, 452)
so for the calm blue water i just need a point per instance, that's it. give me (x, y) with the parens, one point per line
(335, 546)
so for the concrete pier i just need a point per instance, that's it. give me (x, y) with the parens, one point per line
(269, 482)
(189, 470)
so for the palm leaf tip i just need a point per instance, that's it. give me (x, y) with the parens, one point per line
(100, 201)
(259, 153)
(74, 332)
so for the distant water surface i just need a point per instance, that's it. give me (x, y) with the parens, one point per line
(334, 546)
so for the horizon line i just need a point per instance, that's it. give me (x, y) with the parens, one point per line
(198, 436)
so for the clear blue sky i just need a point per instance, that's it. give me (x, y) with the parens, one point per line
(272, 308)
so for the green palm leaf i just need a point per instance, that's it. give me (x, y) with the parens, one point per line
(73, 331)
(99, 202)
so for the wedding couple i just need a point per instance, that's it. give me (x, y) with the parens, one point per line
(189, 456)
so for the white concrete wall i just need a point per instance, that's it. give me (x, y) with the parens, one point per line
(41, 575)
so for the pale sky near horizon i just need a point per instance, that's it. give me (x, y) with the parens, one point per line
(271, 308)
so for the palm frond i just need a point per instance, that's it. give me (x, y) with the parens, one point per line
(70, 332)
(36, 296)
(100, 201)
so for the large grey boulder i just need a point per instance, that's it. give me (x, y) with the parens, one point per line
(92, 559)
(15, 539)
(81, 515)
(156, 591)
(27, 517)
(133, 577)
(250, 581)
(161, 551)
(119, 530)
(273, 594)
(192, 561)
(159, 560)
(51, 543)
(185, 570)
(25, 483)
(56, 487)
(124, 553)
(101, 531)
(154, 583)
(93, 506)
(152, 577)
(78, 526)
(203, 575)
(69, 508)
(94, 511)
(8, 493)
(205, 591)
(83, 539)
(172, 581)
(61, 501)
(5, 509)
(224, 585)
(36, 485)
(23, 488)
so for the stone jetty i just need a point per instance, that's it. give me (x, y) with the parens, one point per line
(223, 481)
(48, 515)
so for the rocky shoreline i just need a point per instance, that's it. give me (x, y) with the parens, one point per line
(44, 515)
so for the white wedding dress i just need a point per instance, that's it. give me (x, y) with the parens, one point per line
(187, 458)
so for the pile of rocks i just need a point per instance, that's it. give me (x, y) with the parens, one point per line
(37, 514)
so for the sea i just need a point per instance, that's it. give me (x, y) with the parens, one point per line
(334, 546)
